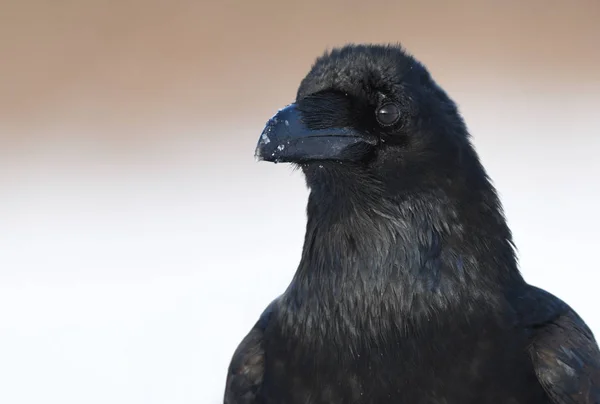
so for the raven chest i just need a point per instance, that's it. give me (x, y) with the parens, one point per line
(444, 368)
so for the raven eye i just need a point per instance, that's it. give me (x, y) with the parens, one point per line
(388, 114)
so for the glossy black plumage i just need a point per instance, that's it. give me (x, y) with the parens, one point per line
(408, 289)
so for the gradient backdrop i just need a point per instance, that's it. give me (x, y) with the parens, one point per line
(139, 240)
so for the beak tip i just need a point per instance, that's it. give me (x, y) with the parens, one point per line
(258, 152)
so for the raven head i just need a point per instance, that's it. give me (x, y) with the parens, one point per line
(375, 112)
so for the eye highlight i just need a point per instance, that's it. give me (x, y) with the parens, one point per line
(388, 114)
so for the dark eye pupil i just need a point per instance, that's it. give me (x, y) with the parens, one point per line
(388, 114)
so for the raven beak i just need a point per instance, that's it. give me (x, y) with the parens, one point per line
(286, 138)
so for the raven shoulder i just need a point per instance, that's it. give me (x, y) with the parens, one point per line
(247, 367)
(563, 349)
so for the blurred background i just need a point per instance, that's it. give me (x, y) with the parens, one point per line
(139, 239)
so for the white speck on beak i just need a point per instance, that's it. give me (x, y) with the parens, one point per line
(265, 138)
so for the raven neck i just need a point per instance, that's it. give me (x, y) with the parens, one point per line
(419, 256)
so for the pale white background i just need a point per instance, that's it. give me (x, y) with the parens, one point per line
(139, 239)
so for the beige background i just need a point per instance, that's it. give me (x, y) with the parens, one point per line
(140, 240)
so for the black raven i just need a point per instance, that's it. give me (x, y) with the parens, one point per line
(408, 289)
